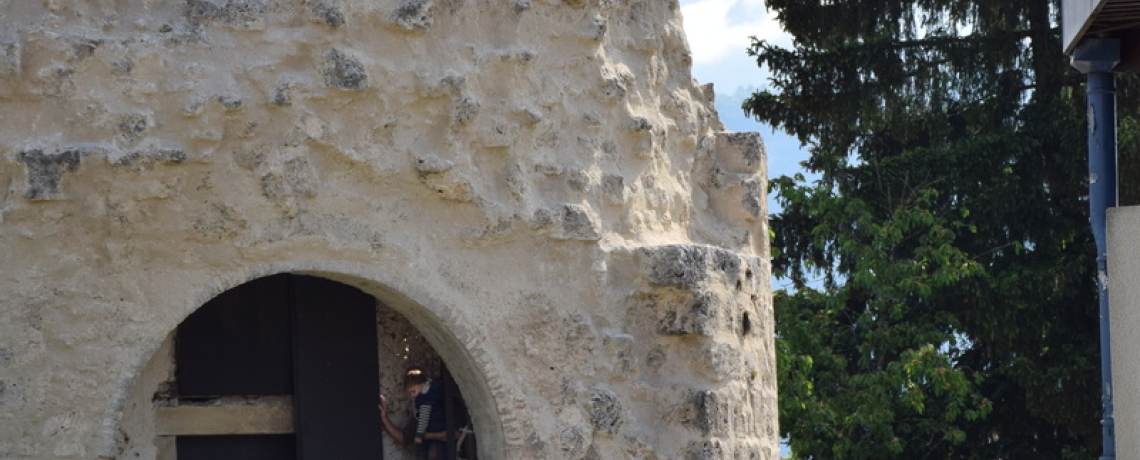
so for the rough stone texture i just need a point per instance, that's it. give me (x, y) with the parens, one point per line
(44, 171)
(344, 71)
(536, 189)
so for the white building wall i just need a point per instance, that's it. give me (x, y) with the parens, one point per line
(1124, 298)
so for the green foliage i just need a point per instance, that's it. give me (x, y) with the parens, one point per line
(944, 301)
(1128, 141)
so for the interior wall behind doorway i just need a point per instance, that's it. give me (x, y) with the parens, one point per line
(400, 345)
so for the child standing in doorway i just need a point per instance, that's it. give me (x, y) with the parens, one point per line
(428, 429)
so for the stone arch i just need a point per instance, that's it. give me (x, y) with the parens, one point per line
(489, 401)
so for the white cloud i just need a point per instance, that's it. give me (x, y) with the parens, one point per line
(718, 32)
(720, 29)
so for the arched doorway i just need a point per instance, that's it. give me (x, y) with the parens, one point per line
(287, 367)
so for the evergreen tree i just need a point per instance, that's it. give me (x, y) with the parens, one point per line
(944, 301)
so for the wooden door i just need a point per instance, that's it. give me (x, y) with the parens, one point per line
(303, 336)
(337, 384)
(239, 343)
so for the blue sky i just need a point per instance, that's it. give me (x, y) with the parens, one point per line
(719, 34)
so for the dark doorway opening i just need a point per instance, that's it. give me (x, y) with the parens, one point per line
(308, 344)
(306, 337)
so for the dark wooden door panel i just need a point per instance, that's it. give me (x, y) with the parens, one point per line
(255, 447)
(239, 343)
(336, 371)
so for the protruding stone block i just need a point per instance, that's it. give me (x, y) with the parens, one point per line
(740, 152)
(687, 265)
(571, 222)
(132, 127)
(679, 313)
(149, 156)
(239, 13)
(331, 12)
(343, 71)
(613, 186)
(465, 109)
(439, 175)
(718, 412)
(44, 171)
(605, 411)
(415, 15)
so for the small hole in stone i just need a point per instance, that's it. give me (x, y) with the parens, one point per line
(739, 285)
(745, 324)
(748, 273)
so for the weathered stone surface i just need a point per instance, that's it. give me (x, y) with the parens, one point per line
(574, 443)
(688, 265)
(150, 157)
(570, 222)
(733, 179)
(576, 223)
(712, 449)
(689, 314)
(619, 348)
(605, 411)
(331, 11)
(740, 151)
(719, 413)
(536, 193)
(614, 187)
(44, 171)
(415, 14)
(132, 128)
(235, 12)
(344, 71)
(9, 59)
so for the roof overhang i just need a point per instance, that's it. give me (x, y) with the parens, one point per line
(1098, 18)
(1076, 17)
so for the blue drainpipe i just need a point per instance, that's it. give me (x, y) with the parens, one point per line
(1096, 58)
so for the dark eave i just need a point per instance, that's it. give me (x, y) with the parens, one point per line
(1098, 19)
(1113, 19)
(1115, 16)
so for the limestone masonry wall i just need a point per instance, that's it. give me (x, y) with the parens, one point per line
(538, 186)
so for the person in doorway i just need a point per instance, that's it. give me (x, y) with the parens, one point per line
(427, 430)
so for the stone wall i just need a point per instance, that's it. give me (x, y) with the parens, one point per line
(539, 187)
